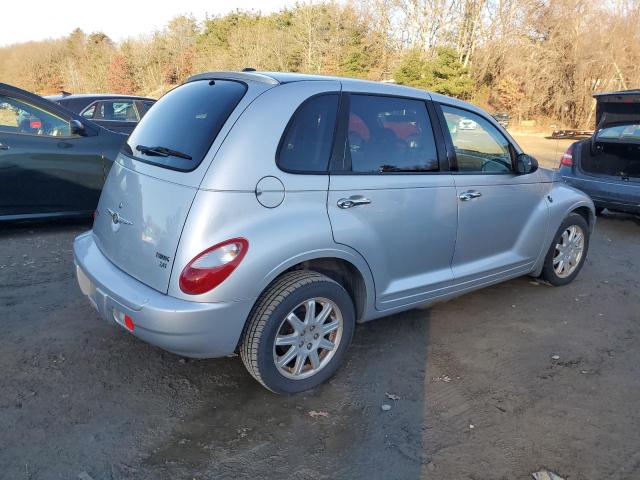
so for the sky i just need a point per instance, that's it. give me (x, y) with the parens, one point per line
(119, 19)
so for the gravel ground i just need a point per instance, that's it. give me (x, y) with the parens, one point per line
(493, 385)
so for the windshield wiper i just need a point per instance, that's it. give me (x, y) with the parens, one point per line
(162, 152)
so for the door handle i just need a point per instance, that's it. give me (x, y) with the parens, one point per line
(4, 147)
(469, 195)
(353, 201)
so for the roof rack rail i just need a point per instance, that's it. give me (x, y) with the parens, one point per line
(254, 76)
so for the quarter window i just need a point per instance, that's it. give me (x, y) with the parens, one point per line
(479, 146)
(17, 116)
(390, 134)
(306, 144)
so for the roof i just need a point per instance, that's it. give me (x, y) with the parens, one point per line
(384, 88)
(94, 96)
(279, 78)
(617, 94)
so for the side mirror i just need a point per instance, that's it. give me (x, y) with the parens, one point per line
(526, 164)
(77, 128)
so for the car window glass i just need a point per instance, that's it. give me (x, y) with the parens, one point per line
(117, 111)
(390, 134)
(479, 146)
(306, 145)
(144, 107)
(17, 116)
(88, 113)
(621, 133)
(186, 121)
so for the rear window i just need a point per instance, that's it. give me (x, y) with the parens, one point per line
(620, 133)
(183, 124)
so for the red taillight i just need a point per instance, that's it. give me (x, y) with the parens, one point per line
(35, 124)
(567, 157)
(212, 267)
(128, 322)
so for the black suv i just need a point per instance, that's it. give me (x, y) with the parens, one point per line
(119, 113)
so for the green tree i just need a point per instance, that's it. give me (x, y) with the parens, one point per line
(442, 74)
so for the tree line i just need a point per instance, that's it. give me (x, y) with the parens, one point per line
(535, 59)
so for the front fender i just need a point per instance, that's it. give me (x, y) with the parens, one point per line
(562, 199)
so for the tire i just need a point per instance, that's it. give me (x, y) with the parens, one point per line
(549, 272)
(289, 297)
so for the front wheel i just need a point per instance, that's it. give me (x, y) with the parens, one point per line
(298, 332)
(567, 252)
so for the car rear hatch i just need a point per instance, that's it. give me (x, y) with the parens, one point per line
(614, 148)
(150, 189)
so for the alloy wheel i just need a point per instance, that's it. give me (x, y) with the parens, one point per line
(568, 251)
(307, 338)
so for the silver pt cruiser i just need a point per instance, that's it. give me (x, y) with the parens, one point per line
(267, 213)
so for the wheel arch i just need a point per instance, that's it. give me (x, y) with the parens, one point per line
(563, 200)
(348, 269)
(588, 214)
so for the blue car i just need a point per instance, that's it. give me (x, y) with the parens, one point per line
(606, 166)
(118, 113)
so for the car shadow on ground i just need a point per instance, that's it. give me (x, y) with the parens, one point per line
(239, 429)
(609, 215)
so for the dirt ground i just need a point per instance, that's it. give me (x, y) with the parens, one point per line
(493, 385)
(546, 150)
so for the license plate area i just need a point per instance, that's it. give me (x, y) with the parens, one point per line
(87, 287)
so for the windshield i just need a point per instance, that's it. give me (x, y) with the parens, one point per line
(178, 132)
(620, 133)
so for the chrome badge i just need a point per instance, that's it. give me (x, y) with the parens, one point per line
(116, 218)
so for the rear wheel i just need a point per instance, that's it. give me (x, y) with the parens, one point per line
(298, 332)
(567, 252)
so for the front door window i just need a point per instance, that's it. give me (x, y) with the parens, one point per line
(17, 116)
(480, 147)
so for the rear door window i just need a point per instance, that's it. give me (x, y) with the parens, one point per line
(390, 134)
(178, 132)
(306, 144)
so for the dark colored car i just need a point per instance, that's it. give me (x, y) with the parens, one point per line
(53, 162)
(607, 165)
(502, 118)
(120, 113)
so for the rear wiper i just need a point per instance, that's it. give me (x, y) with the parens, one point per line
(162, 152)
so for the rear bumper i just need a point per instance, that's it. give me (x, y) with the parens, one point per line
(615, 195)
(191, 329)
